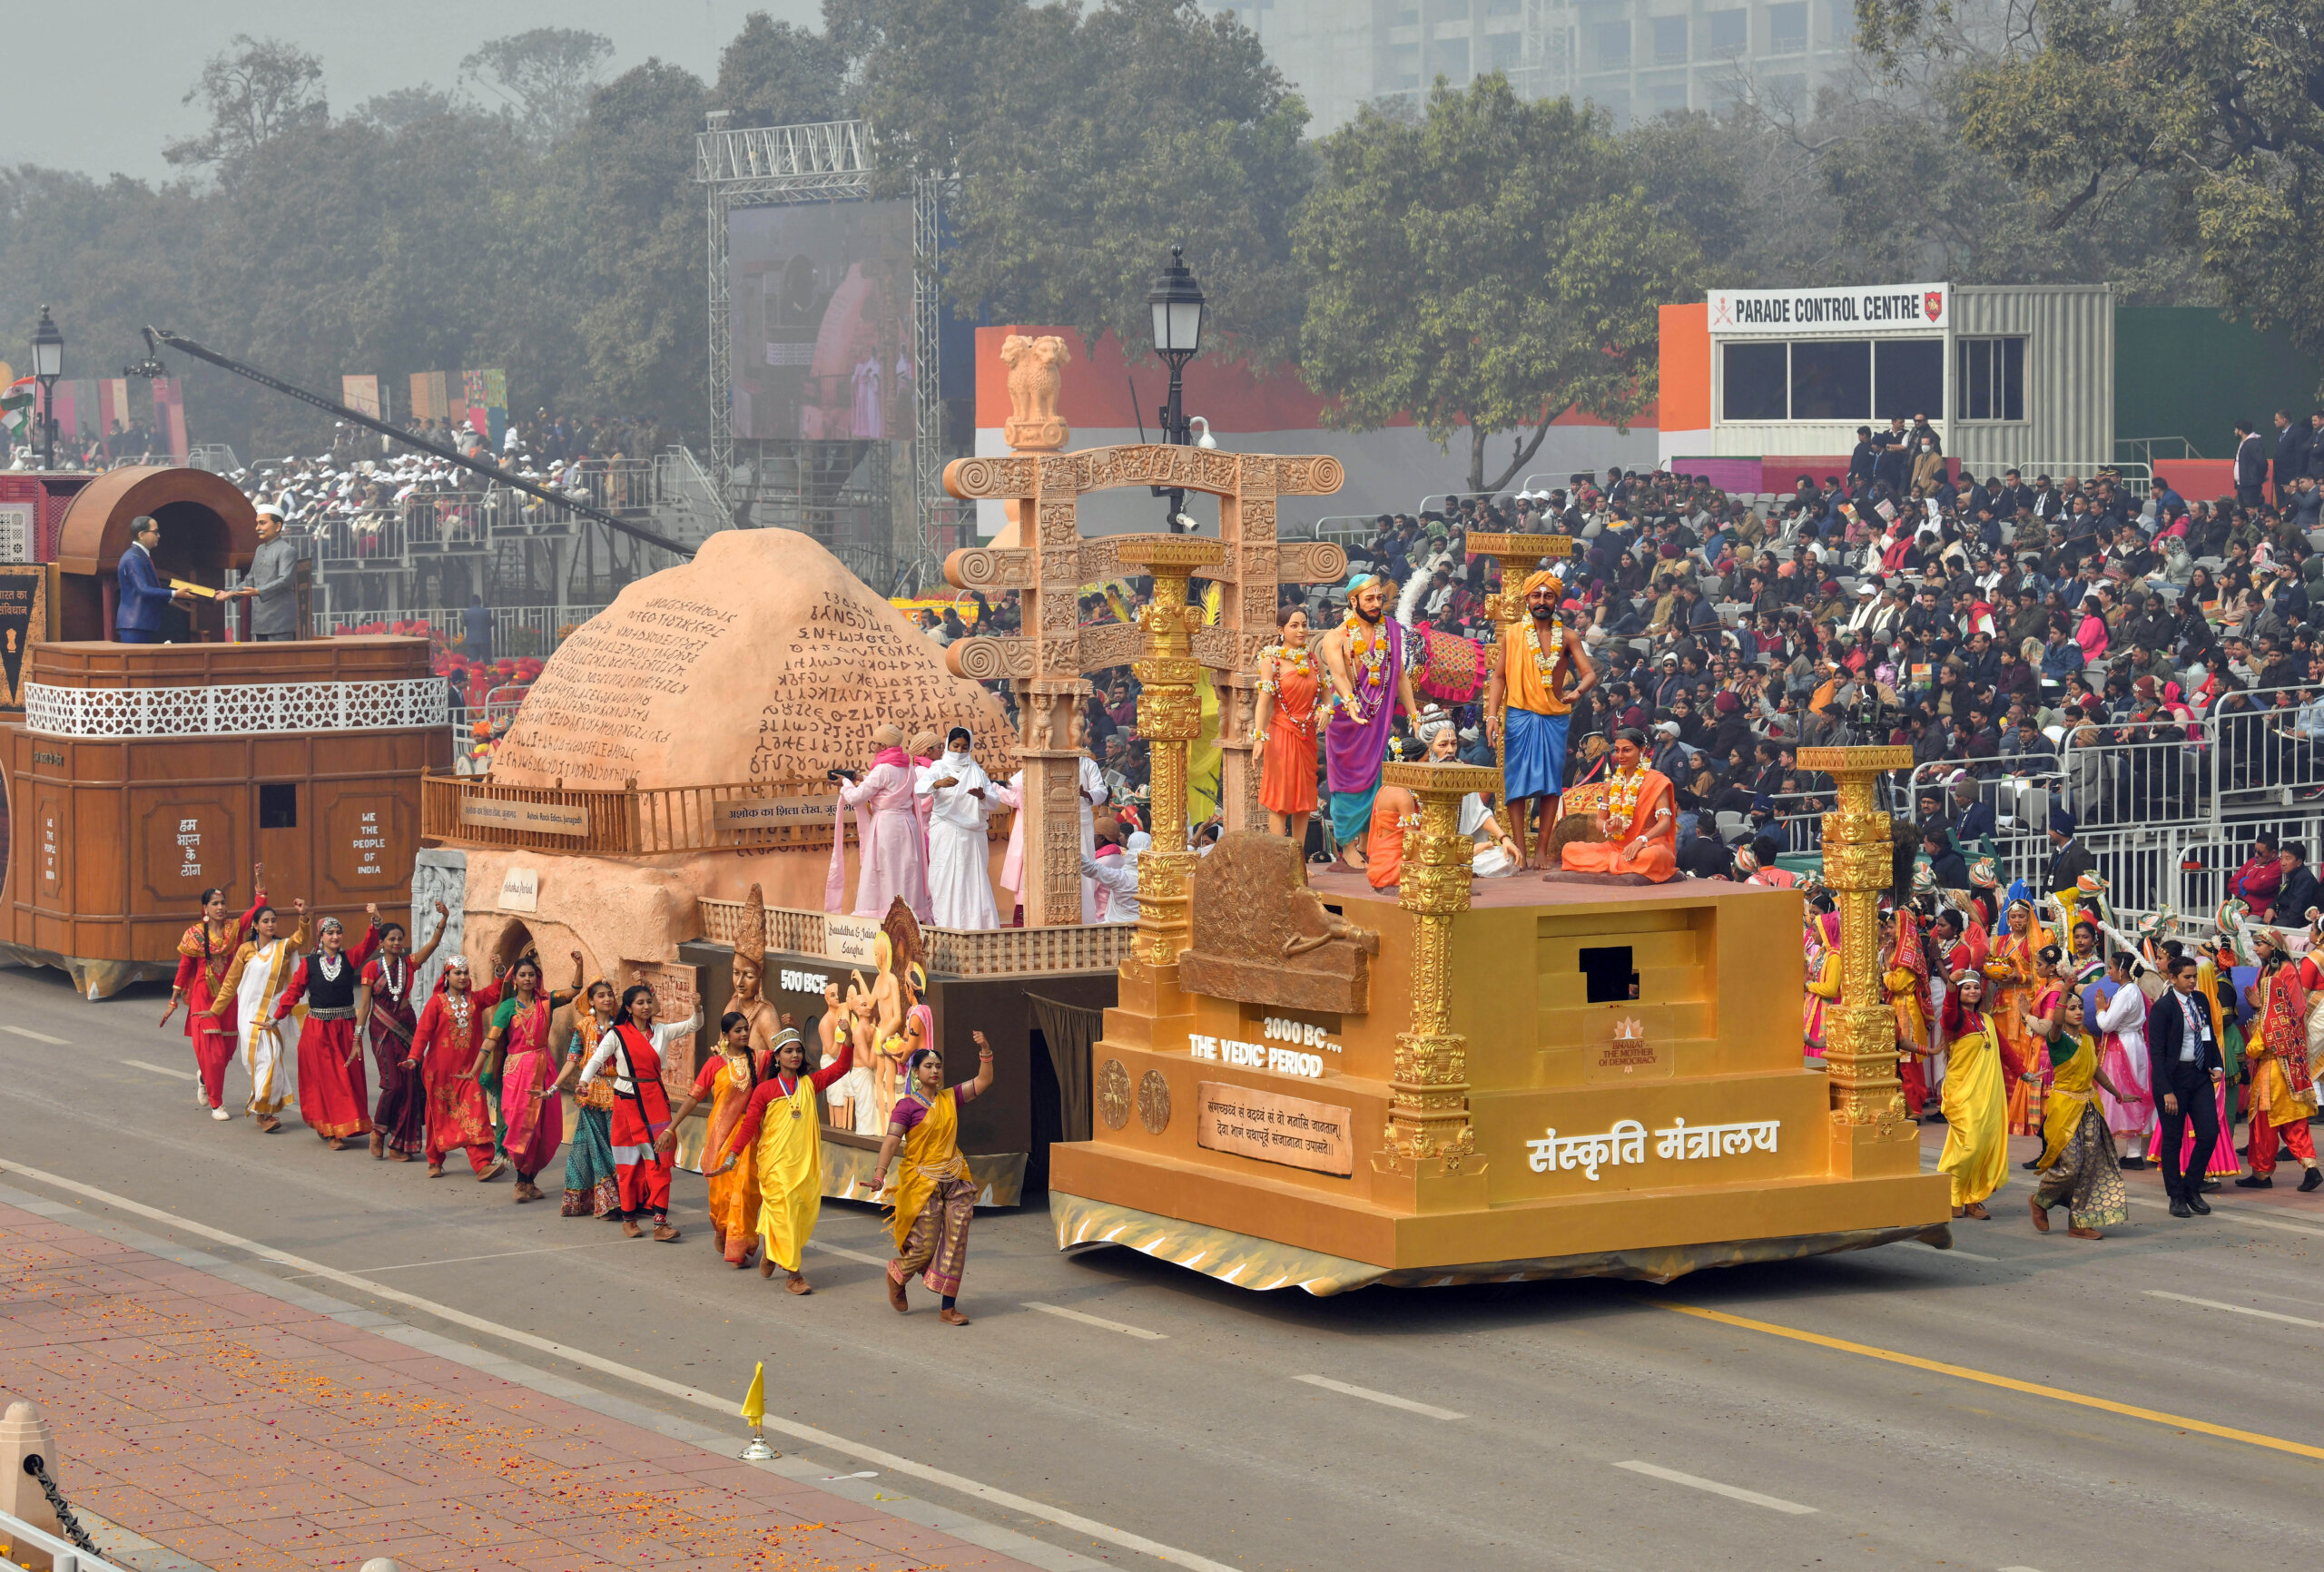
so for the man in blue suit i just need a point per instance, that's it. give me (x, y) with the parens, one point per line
(144, 594)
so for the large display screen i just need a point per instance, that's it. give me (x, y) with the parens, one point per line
(821, 321)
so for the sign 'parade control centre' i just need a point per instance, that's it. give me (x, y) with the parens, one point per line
(1887, 308)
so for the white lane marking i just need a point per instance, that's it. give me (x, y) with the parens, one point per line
(847, 1254)
(1963, 1254)
(2021, 1569)
(495, 1255)
(37, 1037)
(2236, 1309)
(722, 1406)
(1733, 1492)
(2236, 1213)
(1094, 1320)
(1328, 1384)
(157, 1069)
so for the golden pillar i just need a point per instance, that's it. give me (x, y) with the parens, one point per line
(1515, 555)
(1428, 1099)
(1860, 1037)
(1169, 717)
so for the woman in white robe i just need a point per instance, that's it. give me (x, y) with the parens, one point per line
(959, 883)
(253, 987)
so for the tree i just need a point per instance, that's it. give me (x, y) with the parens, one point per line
(406, 106)
(543, 78)
(254, 93)
(1487, 266)
(621, 218)
(108, 258)
(773, 74)
(1085, 146)
(2206, 116)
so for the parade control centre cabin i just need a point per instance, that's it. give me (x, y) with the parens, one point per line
(2010, 376)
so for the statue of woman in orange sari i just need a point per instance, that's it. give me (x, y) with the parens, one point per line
(1640, 820)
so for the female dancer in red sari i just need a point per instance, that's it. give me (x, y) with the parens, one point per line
(330, 1061)
(446, 1044)
(383, 1011)
(204, 952)
(641, 1109)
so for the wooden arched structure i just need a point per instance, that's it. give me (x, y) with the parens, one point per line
(207, 527)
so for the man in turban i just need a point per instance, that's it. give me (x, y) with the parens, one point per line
(2071, 859)
(1527, 706)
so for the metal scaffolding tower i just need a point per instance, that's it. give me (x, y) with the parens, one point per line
(764, 166)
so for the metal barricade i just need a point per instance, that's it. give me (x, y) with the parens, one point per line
(2138, 479)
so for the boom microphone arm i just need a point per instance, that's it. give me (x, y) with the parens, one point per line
(162, 336)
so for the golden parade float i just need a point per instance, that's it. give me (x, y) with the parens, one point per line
(1314, 1082)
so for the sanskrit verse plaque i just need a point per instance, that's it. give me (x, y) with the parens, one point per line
(1274, 1128)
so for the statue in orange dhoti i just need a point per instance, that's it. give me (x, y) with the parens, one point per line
(1639, 817)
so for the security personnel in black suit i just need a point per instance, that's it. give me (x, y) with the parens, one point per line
(2184, 1062)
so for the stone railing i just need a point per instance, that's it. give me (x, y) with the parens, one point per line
(633, 820)
(951, 952)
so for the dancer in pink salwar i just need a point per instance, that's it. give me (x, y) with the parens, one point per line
(888, 836)
(2123, 1095)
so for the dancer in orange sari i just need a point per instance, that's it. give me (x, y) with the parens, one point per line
(1284, 729)
(2043, 1014)
(204, 952)
(726, 1082)
(1641, 820)
(2012, 968)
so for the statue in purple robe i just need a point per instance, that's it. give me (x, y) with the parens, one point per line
(1364, 657)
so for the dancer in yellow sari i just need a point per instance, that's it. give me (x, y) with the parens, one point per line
(1976, 1108)
(2012, 968)
(779, 1141)
(934, 1198)
(2079, 1168)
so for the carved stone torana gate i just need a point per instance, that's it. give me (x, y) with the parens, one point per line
(1044, 664)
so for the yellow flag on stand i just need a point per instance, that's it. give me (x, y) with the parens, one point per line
(755, 1401)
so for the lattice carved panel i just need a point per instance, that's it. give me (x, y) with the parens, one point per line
(265, 709)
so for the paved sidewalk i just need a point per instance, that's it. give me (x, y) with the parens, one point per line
(249, 1433)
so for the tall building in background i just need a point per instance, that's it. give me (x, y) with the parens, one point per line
(1636, 58)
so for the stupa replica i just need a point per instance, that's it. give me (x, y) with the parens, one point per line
(678, 747)
(663, 805)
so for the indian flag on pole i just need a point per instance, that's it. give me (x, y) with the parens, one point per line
(16, 409)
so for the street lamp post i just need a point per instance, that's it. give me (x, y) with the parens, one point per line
(48, 365)
(1177, 304)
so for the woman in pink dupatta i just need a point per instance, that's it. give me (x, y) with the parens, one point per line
(893, 854)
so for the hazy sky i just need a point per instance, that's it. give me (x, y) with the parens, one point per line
(94, 84)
